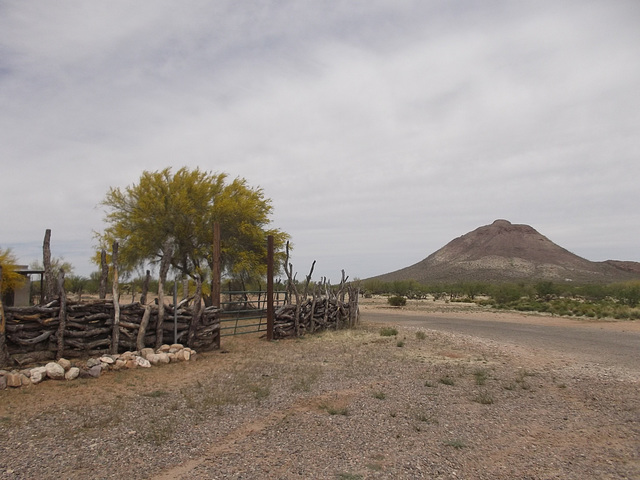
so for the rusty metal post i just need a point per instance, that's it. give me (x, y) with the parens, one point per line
(270, 309)
(216, 270)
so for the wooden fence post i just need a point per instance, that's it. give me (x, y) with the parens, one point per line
(270, 309)
(62, 315)
(115, 332)
(49, 282)
(104, 275)
(4, 353)
(216, 270)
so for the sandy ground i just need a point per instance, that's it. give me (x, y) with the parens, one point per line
(340, 405)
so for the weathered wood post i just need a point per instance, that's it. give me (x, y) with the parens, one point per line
(165, 263)
(62, 315)
(145, 288)
(49, 282)
(270, 309)
(4, 353)
(104, 275)
(216, 270)
(115, 332)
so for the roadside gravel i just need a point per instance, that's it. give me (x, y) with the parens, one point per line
(349, 404)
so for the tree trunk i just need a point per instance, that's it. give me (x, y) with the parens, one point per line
(4, 353)
(164, 270)
(115, 335)
(142, 331)
(49, 282)
(63, 315)
(145, 288)
(197, 311)
(104, 275)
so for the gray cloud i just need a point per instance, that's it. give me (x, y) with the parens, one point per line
(381, 130)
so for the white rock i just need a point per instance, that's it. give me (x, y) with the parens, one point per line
(38, 374)
(107, 359)
(72, 373)
(143, 362)
(54, 371)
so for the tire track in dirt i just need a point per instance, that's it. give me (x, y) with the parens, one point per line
(228, 442)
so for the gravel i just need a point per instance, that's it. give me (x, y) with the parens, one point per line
(340, 405)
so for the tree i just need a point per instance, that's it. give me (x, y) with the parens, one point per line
(10, 278)
(172, 214)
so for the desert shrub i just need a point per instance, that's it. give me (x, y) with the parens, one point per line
(388, 332)
(397, 301)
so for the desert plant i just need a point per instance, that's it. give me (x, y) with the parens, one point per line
(447, 381)
(420, 335)
(388, 332)
(397, 301)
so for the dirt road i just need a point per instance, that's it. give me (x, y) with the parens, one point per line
(613, 344)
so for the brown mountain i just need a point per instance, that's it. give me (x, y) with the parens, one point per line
(504, 252)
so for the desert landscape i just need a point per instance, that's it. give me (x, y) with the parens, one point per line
(375, 402)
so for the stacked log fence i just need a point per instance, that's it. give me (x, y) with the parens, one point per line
(72, 330)
(318, 307)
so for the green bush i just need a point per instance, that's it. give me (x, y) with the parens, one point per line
(397, 301)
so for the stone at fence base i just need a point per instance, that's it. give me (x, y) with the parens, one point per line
(64, 363)
(120, 363)
(176, 347)
(3, 382)
(108, 359)
(24, 380)
(72, 373)
(13, 380)
(95, 371)
(128, 356)
(38, 374)
(145, 352)
(131, 363)
(54, 371)
(143, 362)
(164, 348)
(92, 362)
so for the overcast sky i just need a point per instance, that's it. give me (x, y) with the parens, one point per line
(381, 130)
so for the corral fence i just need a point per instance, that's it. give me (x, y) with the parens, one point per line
(62, 328)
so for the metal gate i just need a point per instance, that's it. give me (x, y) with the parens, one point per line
(245, 312)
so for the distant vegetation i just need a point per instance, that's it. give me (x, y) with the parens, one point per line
(617, 300)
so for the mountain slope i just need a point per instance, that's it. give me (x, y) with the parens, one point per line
(503, 252)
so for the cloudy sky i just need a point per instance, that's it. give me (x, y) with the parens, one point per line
(380, 129)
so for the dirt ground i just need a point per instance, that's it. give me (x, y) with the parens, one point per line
(340, 405)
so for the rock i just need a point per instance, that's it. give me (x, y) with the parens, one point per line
(177, 346)
(108, 359)
(153, 358)
(184, 355)
(72, 373)
(164, 348)
(131, 363)
(120, 363)
(145, 352)
(92, 362)
(24, 380)
(173, 357)
(13, 380)
(95, 371)
(3, 382)
(143, 362)
(163, 358)
(54, 371)
(64, 363)
(38, 374)
(128, 356)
